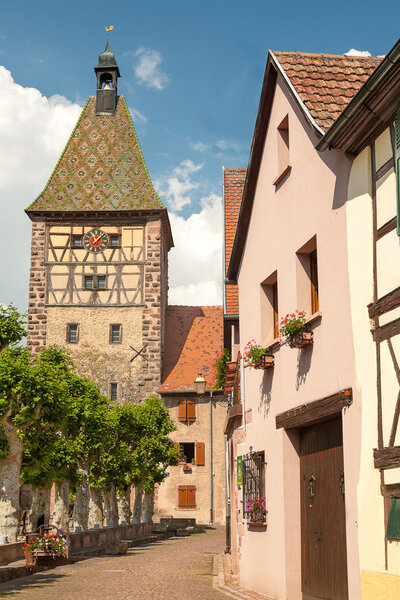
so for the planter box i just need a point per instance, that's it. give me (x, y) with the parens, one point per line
(187, 467)
(301, 339)
(45, 559)
(266, 362)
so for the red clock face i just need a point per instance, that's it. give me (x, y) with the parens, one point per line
(95, 240)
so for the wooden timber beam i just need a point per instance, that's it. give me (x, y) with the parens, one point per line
(387, 331)
(384, 304)
(314, 412)
(387, 458)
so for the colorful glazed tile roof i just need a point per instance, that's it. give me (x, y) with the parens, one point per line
(193, 335)
(326, 82)
(101, 168)
(233, 188)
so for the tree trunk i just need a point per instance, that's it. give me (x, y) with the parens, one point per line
(81, 506)
(125, 503)
(148, 507)
(96, 515)
(137, 507)
(40, 507)
(60, 516)
(10, 469)
(111, 506)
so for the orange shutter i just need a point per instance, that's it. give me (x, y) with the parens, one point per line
(191, 496)
(191, 409)
(182, 496)
(200, 454)
(182, 411)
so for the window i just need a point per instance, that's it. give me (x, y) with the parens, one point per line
(253, 481)
(187, 496)
(113, 392)
(307, 277)
(269, 309)
(76, 241)
(115, 334)
(187, 410)
(114, 241)
(192, 453)
(72, 333)
(283, 150)
(95, 282)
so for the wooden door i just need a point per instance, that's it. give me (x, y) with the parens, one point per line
(323, 521)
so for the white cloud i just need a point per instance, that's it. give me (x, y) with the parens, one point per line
(175, 189)
(34, 130)
(195, 264)
(354, 52)
(199, 146)
(147, 69)
(220, 148)
(136, 115)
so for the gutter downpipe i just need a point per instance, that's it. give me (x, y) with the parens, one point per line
(211, 462)
(390, 60)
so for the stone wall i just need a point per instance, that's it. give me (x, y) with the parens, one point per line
(37, 314)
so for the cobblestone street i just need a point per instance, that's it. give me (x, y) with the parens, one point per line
(178, 568)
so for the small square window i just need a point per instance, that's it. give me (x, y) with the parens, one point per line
(115, 334)
(114, 241)
(101, 282)
(72, 333)
(88, 282)
(113, 392)
(77, 241)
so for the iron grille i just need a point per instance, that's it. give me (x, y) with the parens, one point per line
(253, 479)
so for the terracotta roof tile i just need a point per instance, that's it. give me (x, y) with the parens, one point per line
(233, 189)
(326, 82)
(193, 334)
(101, 168)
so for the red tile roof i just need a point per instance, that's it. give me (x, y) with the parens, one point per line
(326, 82)
(193, 335)
(233, 188)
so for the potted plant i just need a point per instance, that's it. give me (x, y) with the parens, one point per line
(256, 510)
(218, 368)
(256, 356)
(292, 327)
(46, 548)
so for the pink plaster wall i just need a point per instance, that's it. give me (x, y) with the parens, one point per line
(308, 202)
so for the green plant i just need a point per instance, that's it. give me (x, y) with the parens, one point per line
(218, 368)
(291, 324)
(256, 508)
(253, 353)
(53, 543)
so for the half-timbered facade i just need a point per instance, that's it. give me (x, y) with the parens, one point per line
(100, 241)
(370, 131)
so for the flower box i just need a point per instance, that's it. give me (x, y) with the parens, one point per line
(260, 521)
(187, 467)
(301, 339)
(265, 362)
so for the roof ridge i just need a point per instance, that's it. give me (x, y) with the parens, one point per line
(298, 52)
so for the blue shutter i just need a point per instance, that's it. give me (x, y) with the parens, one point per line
(397, 163)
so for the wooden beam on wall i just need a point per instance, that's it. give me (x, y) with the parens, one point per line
(384, 304)
(314, 412)
(386, 331)
(387, 458)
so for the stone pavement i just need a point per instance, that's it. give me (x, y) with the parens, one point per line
(178, 568)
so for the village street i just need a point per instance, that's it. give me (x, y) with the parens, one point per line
(174, 568)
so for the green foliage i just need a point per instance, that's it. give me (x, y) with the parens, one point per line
(218, 368)
(253, 353)
(291, 324)
(12, 326)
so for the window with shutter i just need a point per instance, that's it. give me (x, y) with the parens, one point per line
(190, 410)
(182, 496)
(200, 454)
(182, 411)
(191, 496)
(397, 163)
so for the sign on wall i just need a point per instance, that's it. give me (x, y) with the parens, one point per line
(239, 470)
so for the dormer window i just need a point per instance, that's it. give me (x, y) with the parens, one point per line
(283, 150)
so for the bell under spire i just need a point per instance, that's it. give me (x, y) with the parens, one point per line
(107, 73)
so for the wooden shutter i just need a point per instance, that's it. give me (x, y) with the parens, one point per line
(275, 308)
(314, 282)
(191, 496)
(182, 496)
(182, 411)
(200, 454)
(191, 409)
(397, 163)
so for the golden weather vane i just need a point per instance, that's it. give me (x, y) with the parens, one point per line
(108, 29)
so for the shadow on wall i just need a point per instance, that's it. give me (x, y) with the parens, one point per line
(265, 391)
(304, 357)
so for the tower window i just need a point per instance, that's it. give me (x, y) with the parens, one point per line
(95, 282)
(115, 334)
(76, 241)
(114, 241)
(101, 282)
(88, 282)
(113, 392)
(72, 333)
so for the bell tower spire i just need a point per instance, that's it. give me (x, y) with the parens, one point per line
(107, 73)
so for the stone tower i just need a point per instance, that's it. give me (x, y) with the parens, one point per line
(100, 242)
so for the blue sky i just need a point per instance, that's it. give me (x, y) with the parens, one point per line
(191, 74)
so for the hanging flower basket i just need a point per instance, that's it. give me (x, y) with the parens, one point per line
(256, 356)
(301, 339)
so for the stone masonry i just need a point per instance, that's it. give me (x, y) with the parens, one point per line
(37, 314)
